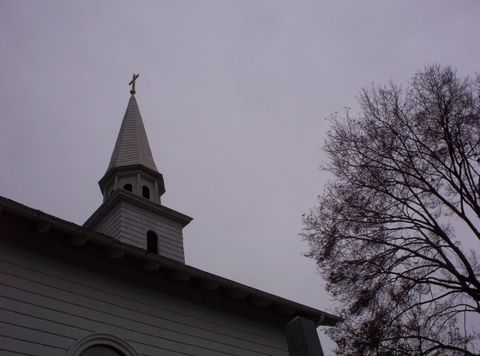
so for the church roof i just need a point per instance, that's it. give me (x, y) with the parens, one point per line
(132, 147)
(75, 236)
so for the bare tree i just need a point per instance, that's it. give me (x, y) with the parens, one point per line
(394, 233)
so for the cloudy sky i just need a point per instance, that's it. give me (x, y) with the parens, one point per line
(234, 96)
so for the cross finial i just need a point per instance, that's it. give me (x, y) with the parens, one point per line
(132, 83)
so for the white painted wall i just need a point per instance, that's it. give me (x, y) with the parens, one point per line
(46, 305)
(129, 224)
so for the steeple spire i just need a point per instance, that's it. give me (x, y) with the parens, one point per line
(132, 145)
(131, 166)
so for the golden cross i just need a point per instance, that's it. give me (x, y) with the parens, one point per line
(132, 83)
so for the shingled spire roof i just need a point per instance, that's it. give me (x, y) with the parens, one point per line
(132, 146)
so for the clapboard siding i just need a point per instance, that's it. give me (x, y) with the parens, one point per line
(5, 352)
(50, 304)
(25, 332)
(135, 222)
(66, 302)
(21, 318)
(130, 223)
(19, 346)
(109, 225)
(172, 314)
(143, 301)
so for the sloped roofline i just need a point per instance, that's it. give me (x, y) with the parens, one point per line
(84, 235)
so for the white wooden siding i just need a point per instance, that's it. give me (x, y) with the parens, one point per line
(130, 223)
(45, 306)
(110, 225)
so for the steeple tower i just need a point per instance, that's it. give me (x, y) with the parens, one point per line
(132, 166)
(131, 188)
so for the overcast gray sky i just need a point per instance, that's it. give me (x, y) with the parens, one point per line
(233, 95)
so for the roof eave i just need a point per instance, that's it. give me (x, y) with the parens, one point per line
(85, 235)
(123, 195)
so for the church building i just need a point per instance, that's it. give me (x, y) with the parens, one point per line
(119, 284)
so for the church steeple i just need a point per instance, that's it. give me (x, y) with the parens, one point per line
(132, 166)
(132, 145)
(132, 186)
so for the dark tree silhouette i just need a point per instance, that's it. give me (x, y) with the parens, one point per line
(394, 234)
